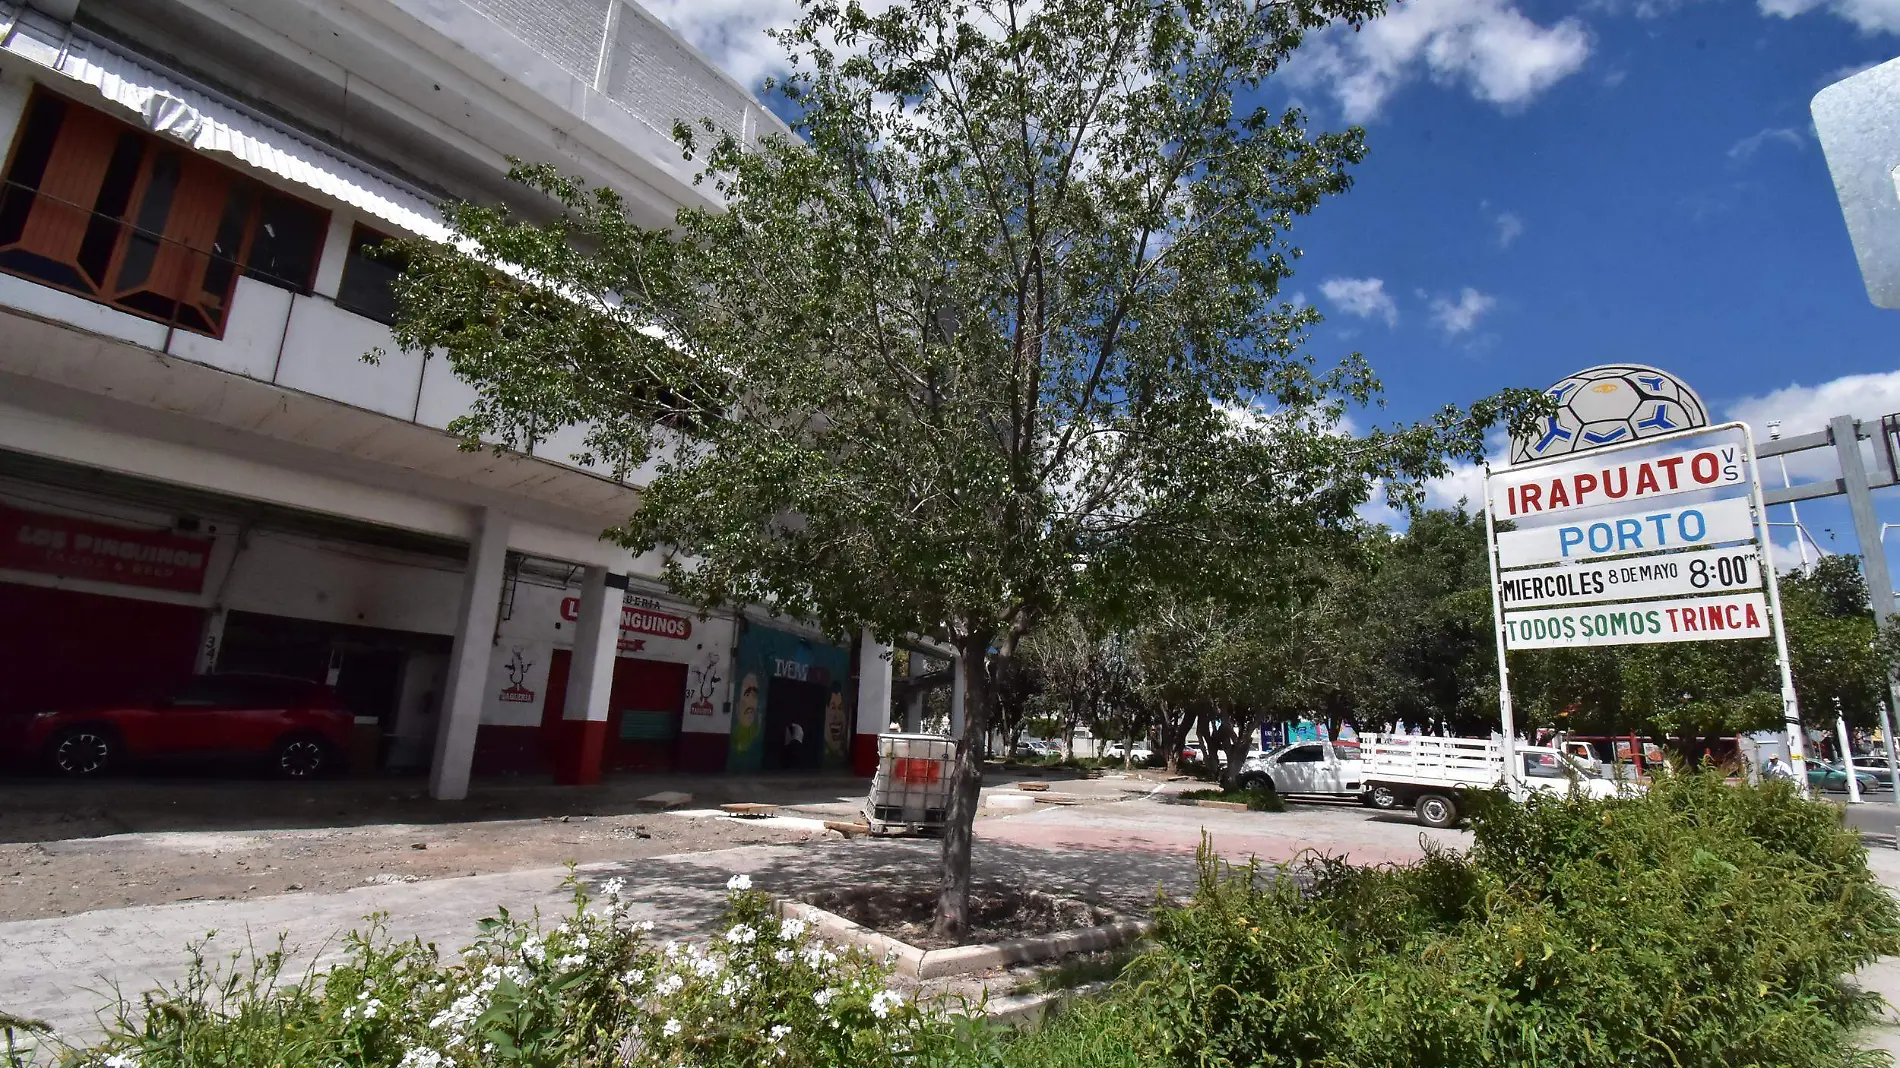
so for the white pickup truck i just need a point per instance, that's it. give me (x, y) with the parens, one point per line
(1432, 775)
(1306, 769)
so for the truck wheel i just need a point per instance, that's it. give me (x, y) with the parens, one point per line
(1255, 781)
(1436, 810)
(1382, 797)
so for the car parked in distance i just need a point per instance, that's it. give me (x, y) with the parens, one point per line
(1830, 777)
(1118, 751)
(297, 728)
(1307, 769)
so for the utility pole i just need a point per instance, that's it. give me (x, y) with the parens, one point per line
(1845, 431)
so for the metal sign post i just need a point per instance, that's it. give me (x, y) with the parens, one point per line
(1790, 705)
(1506, 715)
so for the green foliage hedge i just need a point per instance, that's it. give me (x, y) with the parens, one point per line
(1258, 799)
(1700, 925)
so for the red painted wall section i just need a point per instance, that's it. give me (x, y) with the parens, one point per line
(864, 755)
(505, 750)
(64, 650)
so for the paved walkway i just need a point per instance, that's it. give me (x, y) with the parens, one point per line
(63, 969)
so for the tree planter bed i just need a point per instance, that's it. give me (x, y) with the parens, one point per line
(1040, 935)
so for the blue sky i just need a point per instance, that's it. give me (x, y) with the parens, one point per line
(1551, 187)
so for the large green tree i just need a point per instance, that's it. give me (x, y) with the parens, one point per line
(998, 331)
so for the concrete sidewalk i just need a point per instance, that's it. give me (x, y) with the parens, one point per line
(64, 969)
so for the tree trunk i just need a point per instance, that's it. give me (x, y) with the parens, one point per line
(1173, 738)
(1237, 747)
(953, 885)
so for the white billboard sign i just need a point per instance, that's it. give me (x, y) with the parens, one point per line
(1653, 530)
(1687, 619)
(1667, 575)
(1603, 482)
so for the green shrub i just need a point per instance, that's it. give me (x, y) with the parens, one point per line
(1257, 799)
(1697, 925)
(593, 990)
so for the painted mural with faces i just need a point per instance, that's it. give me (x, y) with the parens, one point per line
(767, 654)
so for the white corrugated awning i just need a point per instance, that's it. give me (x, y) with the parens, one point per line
(166, 105)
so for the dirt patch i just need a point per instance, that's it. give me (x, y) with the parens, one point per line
(66, 876)
(997, 913)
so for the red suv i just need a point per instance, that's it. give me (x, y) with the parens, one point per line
(299, 727)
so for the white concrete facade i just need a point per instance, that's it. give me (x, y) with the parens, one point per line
(420, 98)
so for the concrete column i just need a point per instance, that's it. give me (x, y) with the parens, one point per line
(467, 687)
(210, 641)
(874, 702)
(590, 678)
(956, 697)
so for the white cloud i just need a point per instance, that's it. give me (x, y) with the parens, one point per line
(1461, 316)
(1510, 228)
(1746, 148)
(1364, 297)
(1848, 71)
(1501, 56)
(1805, 409)
(731, 32)
(1869, 16)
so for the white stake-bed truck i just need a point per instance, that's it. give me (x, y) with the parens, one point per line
(1432, 775)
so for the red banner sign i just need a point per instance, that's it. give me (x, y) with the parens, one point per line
(80, 549)
(634, 620)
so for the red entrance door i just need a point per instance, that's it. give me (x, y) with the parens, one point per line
(643, 723)
(642, 728)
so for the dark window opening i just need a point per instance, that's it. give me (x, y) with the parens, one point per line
(287, 242)
(369, 277)
(120, 216)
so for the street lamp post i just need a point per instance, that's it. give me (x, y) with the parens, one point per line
(1800, 543)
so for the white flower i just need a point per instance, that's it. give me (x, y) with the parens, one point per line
(706, 967)
(571, 961)
(633, 977)
(790, 929)
(672, 950)
(741, 935)
(669, 986)
(423, 1058)
(644, 926)
(458, 1015)
(884, 1001)
(779, 1031)
(823, 997)
(122, 1060)
(783, 956)
(612, 888)
(670, 1028)
(739, 882)
(534, 949)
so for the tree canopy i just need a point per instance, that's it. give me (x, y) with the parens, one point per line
(998, 332)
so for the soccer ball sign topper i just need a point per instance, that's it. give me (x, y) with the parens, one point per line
(1611, 405)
